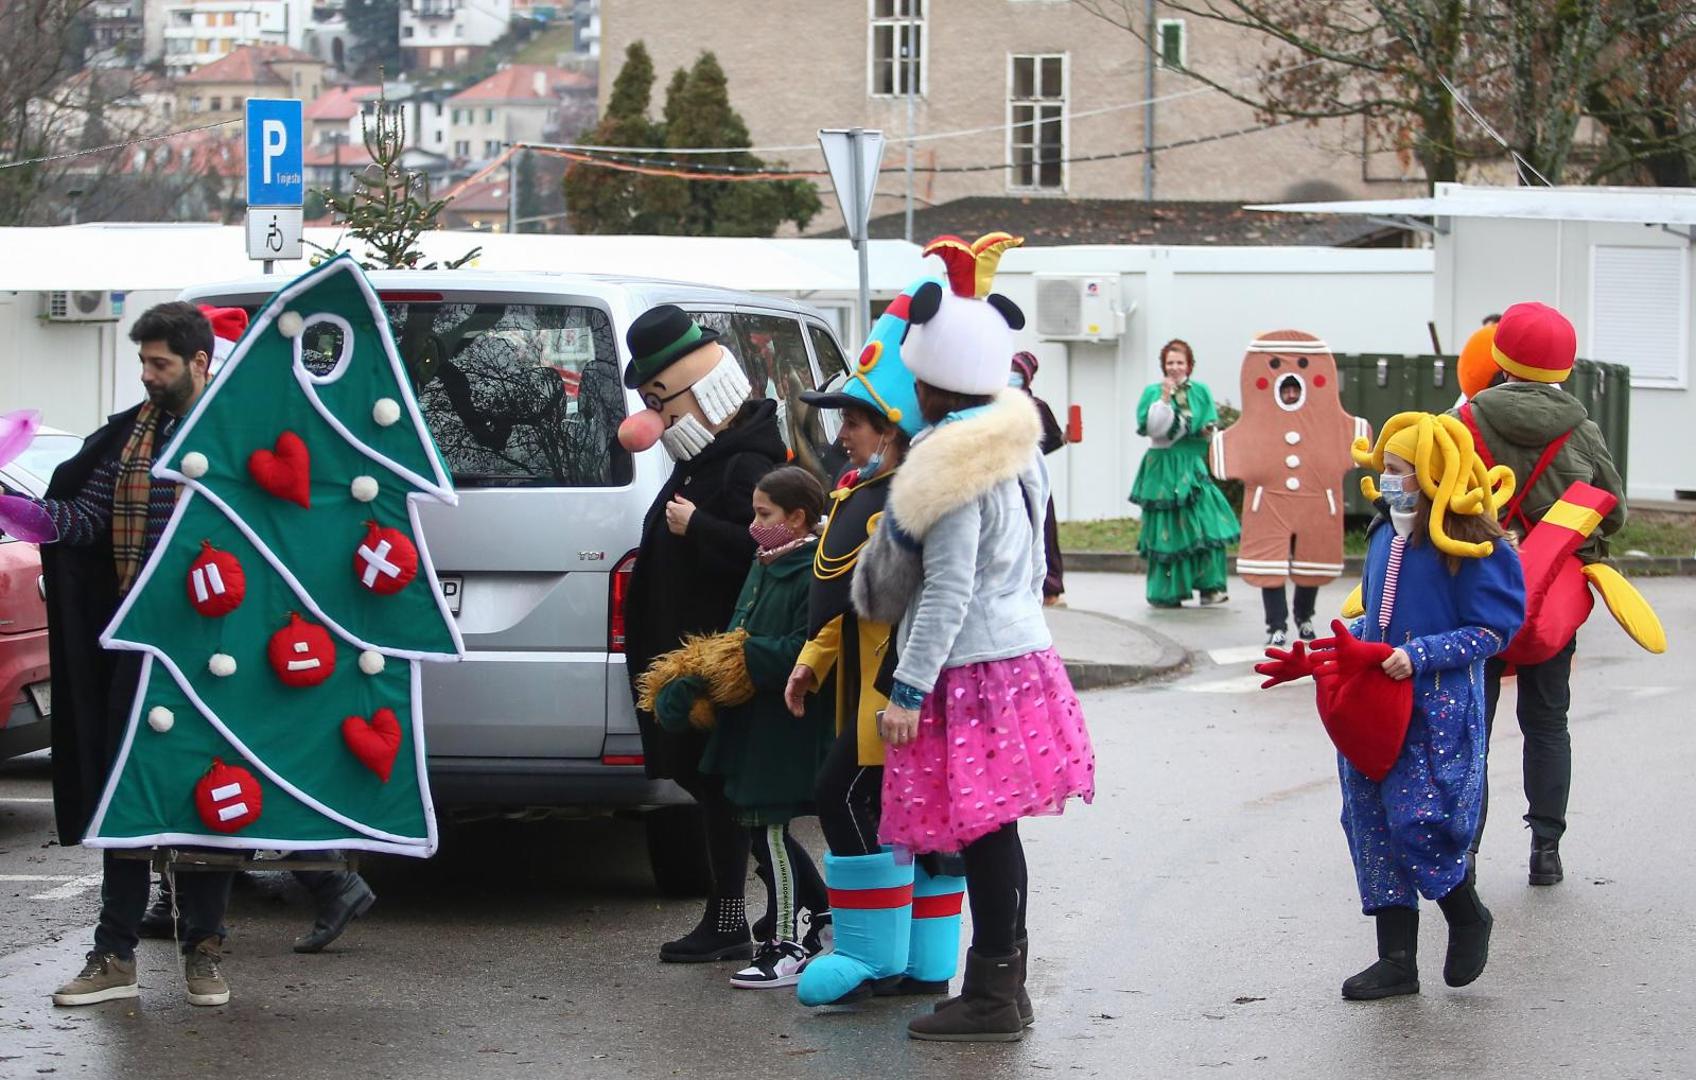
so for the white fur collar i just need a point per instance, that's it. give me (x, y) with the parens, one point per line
(960, 462)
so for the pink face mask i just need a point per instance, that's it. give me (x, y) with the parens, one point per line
(771, 537)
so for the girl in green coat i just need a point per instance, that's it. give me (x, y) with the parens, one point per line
(1186, 522)
(732, 683)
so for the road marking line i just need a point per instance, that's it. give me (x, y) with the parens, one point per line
(1237, 654)
(36, 877)
(70, 890)
(23, 799)
(1237, 684)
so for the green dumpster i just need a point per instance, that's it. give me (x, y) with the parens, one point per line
(1377, 386)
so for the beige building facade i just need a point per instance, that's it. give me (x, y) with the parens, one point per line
(1041, 84)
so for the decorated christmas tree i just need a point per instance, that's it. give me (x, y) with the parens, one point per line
(291, 599)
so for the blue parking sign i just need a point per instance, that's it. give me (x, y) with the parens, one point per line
(275, 152)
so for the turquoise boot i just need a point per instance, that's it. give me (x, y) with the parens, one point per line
(871, 902)
(934, 956)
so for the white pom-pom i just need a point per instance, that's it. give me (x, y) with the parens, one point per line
(371, 662)
(222, 665)
(290, 324)
(364, 488)
(160, 719)
(195, 465)
(386, 411)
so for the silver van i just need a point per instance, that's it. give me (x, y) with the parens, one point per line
(519, 378)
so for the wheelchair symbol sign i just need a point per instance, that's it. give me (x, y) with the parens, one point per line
(274, 232)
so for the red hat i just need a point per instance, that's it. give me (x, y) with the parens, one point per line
(1535, 342)
(228, 325)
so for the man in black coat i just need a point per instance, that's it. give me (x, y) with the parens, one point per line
(110, 514)
(694, 555)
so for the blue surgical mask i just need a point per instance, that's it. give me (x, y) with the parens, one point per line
(875, 462)
(1398, 492)
(1016, 380)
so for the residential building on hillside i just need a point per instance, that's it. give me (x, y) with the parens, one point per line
(1031, 98)
(100, 105)
(218, 90)
(327, 35)
(436, 34)
(200, 32)
(115, 33)
(519, 103)
(342, 113)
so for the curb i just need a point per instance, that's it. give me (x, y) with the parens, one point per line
(1092, 675)
(1124, 562)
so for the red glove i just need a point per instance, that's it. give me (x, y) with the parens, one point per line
(1286, 665)
(1347, 655)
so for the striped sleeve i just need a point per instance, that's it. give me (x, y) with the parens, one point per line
(83, 519)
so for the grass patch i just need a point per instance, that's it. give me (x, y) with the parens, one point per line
(1647, 532)
(545, 47)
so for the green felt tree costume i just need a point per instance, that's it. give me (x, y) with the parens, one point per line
(299, 503)
(1186, 521)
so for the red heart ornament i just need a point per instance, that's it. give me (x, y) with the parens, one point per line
(227, 798)
(286, 472)
(376, 743)
(1365, 712)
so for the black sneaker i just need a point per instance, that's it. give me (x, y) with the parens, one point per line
(776, 964)
(1304, 630)
(1277, 638)
(818, 932)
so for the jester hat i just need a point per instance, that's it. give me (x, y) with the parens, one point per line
(880, 381)
(960, 338)
(1449, 471)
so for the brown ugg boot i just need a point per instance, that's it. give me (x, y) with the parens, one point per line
(1027, 1012)
(988, 1009)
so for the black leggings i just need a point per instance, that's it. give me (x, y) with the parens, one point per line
(850, 797)
(1277, 607)
(997, 887)
(792, 882)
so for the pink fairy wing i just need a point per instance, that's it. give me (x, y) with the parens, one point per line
(25, 520)
(16, 431)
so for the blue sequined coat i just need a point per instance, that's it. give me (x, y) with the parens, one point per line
(1409, 834)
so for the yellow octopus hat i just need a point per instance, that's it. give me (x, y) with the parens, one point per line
(1449, 470)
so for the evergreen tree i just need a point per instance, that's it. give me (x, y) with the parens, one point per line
(697, 113)
(375, 26)
(390, 207)
(610, 200)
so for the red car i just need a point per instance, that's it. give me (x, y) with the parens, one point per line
(26, 699)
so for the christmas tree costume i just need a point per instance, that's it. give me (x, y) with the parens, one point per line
(1186, 522)
(885, 939)
(285, 611)
(1449, 605)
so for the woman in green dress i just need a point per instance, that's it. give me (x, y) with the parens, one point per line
(1186, 522)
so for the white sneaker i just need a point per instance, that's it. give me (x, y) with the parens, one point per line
(776, 964)
(1277, 638)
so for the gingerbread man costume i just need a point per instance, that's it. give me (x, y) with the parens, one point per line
(1291, 451)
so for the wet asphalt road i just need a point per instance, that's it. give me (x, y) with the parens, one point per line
(1196, 920)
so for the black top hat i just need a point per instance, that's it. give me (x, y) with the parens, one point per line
(658, 338)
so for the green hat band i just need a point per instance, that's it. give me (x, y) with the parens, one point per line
(654, 363)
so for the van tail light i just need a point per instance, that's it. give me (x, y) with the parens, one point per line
(622, 759)
(620, 594)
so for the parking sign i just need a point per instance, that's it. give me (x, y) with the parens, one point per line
(275, 165)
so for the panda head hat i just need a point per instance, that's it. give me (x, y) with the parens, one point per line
(960, 338)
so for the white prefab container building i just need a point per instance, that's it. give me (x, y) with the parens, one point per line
(1136, 298)
(1618, 262)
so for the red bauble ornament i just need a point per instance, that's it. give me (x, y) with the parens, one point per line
(285, 472)
(386, 562)
(376, 743)
(302, 653)
(227, 797)
(216, 582)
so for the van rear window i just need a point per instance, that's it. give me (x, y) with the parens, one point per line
(517, 395)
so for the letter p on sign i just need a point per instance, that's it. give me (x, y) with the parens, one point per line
(273, 140)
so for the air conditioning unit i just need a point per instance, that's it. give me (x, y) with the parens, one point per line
(78, 306)
(1078, 307)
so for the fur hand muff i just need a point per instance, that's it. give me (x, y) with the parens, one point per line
(715, 659)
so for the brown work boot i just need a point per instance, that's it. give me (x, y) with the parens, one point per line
(103, 978)
(988, 1009)
(206, 985)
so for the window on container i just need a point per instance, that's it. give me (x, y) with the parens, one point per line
(1174, 47)
(897, 47)
(517, 395)
(1036, 113)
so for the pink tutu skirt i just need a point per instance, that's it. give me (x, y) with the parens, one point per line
(998, 741)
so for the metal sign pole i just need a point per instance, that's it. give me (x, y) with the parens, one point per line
(858, 231)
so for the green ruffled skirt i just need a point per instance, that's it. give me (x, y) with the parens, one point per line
(1186, 525)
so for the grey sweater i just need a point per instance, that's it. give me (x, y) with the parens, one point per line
(958, 561)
